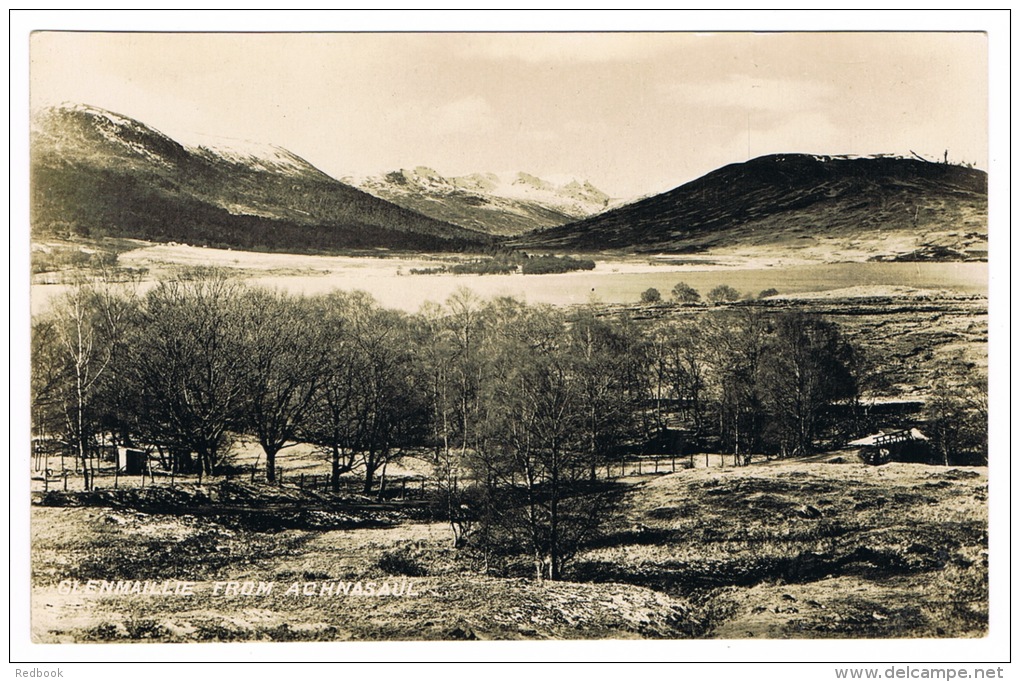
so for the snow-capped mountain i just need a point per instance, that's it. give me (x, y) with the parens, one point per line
(98, 173)
(498, 203)
(259, 156)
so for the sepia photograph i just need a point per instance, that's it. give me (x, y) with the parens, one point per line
(369, 336)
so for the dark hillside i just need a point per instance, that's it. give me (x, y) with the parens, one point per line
(781, 199)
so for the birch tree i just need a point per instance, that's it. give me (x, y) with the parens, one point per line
(86, 326)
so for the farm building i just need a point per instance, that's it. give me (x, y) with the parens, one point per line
(906, 445)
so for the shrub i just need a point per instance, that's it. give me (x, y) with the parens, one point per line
(546, 265)
(651, 295)
(486, 266)
(723, 293)
(401, 561)
(684, 293)
(768, 292)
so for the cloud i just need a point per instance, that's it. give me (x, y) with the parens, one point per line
(539, 135)
(807, 132)
(774, 95)
(545, 48)
(465, 116)
(470, 115)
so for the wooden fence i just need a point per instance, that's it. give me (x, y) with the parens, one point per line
(404, 487)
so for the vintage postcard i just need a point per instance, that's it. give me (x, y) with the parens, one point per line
(391, 337)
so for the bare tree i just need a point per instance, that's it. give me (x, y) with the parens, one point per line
(86, 331)
(606, 364)
(531, 459)
(391, 409)
(679, 357)
(187, 361)
(280, 373)
(437, 346)
(807, 367)
(370, 404)
(956, 415)
(330, 422)
(737, 341)
(464, 324)
(48, 381)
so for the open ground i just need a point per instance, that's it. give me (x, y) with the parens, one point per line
(790, 549)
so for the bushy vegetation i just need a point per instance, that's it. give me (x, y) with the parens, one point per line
(651, 295)
(70, 257)
(489, 266)
(548, 264)
(685, 293)
(723, 293)
(439, 270)
(507, 262)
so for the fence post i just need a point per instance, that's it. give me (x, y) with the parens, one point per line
(301, 481)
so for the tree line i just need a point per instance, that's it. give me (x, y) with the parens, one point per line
(517, 407)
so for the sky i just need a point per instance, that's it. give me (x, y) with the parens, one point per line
(634, 113)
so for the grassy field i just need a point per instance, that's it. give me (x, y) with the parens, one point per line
(813, 549)
(791, 549)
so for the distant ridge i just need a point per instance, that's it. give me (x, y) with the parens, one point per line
(789, 201)
(496, 203)
(97, 173)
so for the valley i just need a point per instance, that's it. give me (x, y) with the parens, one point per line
(684, 469)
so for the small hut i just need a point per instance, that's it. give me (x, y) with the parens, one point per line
(886, 446)
(131, 461)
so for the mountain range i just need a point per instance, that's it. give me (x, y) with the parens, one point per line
(496, 203)
(96, 173)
